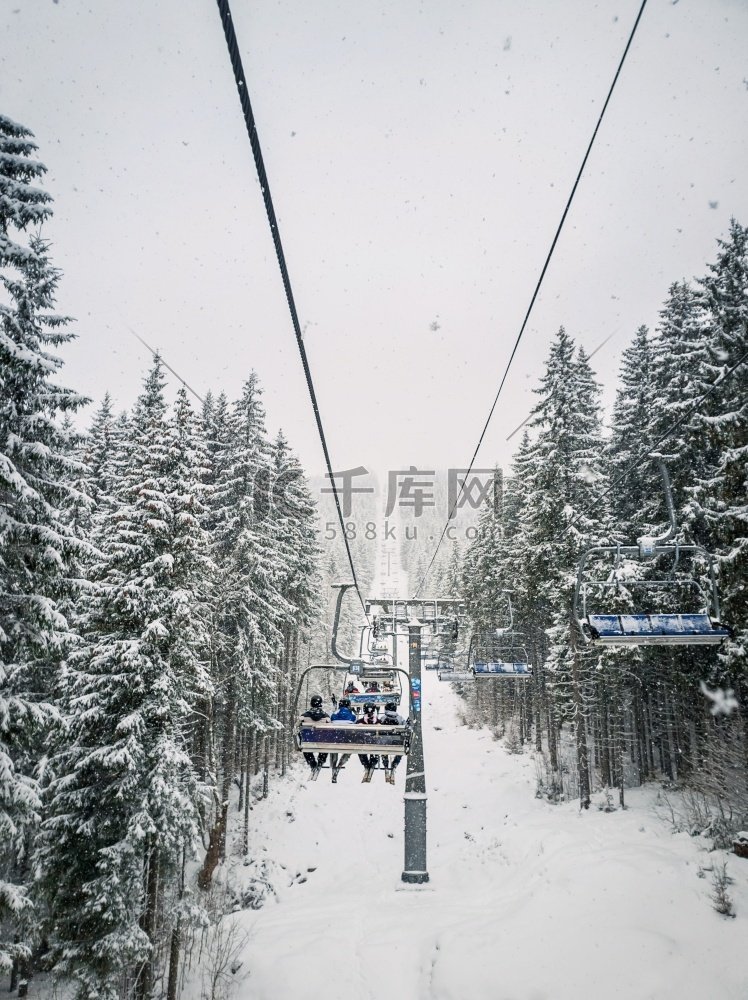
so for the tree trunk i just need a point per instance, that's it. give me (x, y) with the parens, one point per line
(217, 840)
(580, 732)
(172, 986)
(144, 987)
(266, 768)
(248, 790)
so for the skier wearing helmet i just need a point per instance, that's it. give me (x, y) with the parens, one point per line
(315, 713)
(344, 714)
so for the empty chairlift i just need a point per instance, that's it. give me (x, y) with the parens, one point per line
(499, 654)
(451, 667)
(651, 626)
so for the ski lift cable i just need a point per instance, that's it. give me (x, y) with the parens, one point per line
(647, 452)
(535, 293)
(249, 120)
(528, 418)
(159, 355)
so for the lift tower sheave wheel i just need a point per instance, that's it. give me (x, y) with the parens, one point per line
(415, 870)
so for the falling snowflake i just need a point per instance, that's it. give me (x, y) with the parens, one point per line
(723, 702)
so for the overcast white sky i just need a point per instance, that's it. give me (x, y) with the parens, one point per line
(419, 155)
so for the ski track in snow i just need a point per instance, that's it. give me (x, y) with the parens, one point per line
(527, 900)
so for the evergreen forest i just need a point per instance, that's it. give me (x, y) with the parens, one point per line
(162, 586)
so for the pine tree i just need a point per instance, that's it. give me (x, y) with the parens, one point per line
(633, 411)
(557, 524)
(721, 493)
(22, 204)
(37, 546)
(248, 607)
(124, 802)
(679, 378)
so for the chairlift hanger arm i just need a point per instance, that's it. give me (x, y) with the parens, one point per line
(673, 527)
(341, 588)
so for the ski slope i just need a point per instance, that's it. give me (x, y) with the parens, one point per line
(527, 900)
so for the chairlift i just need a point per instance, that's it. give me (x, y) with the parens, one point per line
(455, 674)
(448, 669)
(429, 657)
(389, 691)
(349, 737)
(441, 616)
(651, 628)
(499, 654)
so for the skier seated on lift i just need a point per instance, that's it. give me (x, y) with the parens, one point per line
(315, 713)
(345, 714)
(372, 688)
(368, 718)
(352, 689)
(391, 718)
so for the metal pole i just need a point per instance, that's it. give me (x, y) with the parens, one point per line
(415, 870)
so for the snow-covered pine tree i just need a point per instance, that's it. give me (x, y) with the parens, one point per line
(483, 582)
(249, 607)
(99, 450)
(720, 498)
(292, 523)
(452, 585)
(529, 616)
(566, 458)
(36, 544)
(633, 411)
(679, 377)
(123, 807)
(22, 203)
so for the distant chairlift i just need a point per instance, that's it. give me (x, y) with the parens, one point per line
(652, 628)
(374, 667)
(430, 658)
(500, 653)
(452, 669)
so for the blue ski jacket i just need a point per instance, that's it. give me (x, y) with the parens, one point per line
(343, 715)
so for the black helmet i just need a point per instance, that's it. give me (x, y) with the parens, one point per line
(369, 708)
(316, 701)
(344, 703)
(390, 707)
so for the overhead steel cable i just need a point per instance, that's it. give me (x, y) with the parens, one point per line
(647, 452)
(157, 354)
(535, 293)
(249, 121)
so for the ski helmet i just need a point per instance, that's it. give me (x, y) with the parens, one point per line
(369, 708)
(390, 707)
(344, 703)
(316, 701)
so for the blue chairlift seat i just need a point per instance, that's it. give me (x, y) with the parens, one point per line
(341, 737)
(374, 698)
(656, 630)
(502, 669)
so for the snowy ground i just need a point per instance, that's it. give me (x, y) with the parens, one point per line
(527, 900)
